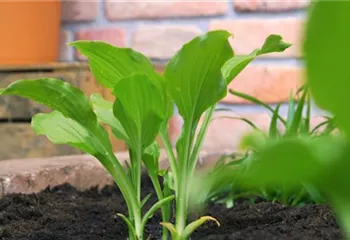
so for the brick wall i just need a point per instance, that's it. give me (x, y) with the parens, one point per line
(159, 28)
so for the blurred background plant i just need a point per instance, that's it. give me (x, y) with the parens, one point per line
(297, 123)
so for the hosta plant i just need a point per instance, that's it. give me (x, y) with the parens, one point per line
(195, 79)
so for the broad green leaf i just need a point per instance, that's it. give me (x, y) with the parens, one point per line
(139, 109)
(58, 95)
(104, 112)
(273, 43)
(326, 50)
(62, 130)
(109, 64)
(74, 118)
(194, 74)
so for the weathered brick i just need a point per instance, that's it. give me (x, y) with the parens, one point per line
(269, 83)
(79, 10)
(20, 141)
(250, 34)
(116, 10)
(36, 174)
(161, 42)
(269, 6)
(65, 51)
(114, 36)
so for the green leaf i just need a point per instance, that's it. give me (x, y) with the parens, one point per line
(76, 121)
(145, 199)
(255, 101)
(297, 116)
(104, 112)
(151, 159)
(247, 121)
(290, 161)
(128, 223)
(273, 129)
(139, 109)
(154, 208)
(326, 58)
(194, 74)
(190, 228)
(171, 228)
(62, 130)
(56, 94)
(273, 43)
(291, 110)
(109, 64)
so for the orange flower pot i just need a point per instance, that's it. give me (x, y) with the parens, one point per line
(29, 31)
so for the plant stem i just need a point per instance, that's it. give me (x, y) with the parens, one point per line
(138, 213)
(200, 138)
(114, 167)
(169, 150)
(181, 194)
(164, 210)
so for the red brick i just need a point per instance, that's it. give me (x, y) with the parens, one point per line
(65, 53)
(268, 5)
(269, 83)
(153, 10)
(225, 134)
(114, 36)
(79, 10)
(250, 34)
(161, 42)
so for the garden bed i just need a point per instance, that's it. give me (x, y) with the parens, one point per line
(64, 212)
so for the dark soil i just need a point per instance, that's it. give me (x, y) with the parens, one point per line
(63, 213)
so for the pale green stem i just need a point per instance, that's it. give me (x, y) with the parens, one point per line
(164, 210)
(181, 194)
(116, 170)
(169, 150)
(138, 213)
(200, 138)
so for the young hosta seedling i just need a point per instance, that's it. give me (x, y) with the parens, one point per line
(195, 79)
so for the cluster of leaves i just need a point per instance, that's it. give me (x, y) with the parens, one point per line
(322, 161)
(296, 123)
(195, 79)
